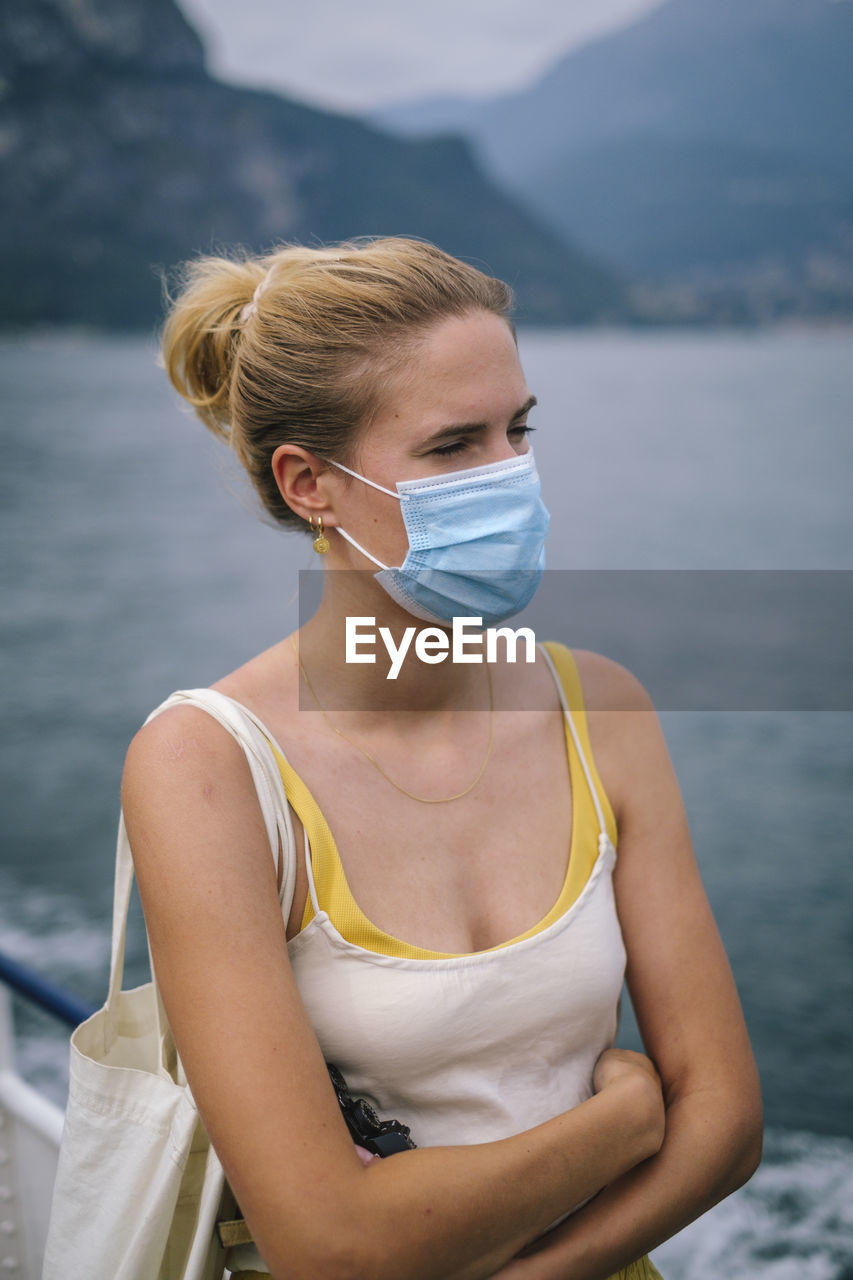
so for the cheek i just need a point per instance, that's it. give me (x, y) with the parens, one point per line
(391, 527)
(376, 521)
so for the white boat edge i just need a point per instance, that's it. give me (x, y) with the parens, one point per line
(30, 1130)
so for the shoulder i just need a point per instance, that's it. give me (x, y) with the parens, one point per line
(183, 769)
(179, 739)
(608, 686)
(193, 821)
(625, 734)
(595, 683)
(186, 736)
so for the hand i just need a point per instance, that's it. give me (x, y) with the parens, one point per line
(617, 1063)
(637, 1077)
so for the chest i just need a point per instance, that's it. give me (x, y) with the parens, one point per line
(459, 876)
(471, 1048)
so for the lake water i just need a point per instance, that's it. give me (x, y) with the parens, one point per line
(134, 564)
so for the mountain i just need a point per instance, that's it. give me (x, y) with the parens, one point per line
(120, 155)
(710, 142)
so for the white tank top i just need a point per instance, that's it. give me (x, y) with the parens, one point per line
(478, 1047)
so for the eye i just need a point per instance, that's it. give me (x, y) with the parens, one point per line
(520, 430)
(447, 450)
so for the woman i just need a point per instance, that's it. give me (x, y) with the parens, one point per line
(458, 936)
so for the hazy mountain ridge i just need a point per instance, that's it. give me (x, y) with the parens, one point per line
(711, 141)
(65, 37)
(119, 154)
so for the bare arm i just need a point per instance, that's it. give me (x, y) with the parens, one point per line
(686, 1004)
(208, 888)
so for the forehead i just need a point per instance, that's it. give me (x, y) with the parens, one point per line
(461, 369)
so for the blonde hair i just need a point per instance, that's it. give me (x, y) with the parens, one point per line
(294, 347)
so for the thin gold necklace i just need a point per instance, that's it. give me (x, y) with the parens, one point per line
(375, 762)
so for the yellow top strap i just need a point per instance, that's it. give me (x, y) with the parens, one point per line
(567, 670)
(333, 893)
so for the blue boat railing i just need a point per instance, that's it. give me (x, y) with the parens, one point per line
(68, 1008)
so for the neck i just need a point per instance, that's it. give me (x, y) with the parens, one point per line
(365, 687)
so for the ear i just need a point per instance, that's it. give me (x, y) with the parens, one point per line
(300, 477)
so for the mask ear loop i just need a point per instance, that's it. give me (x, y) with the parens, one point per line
(360, 548)
(381, 487)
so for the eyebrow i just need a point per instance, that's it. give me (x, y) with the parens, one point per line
(467, 428)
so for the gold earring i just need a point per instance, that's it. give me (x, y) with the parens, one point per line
(321, 542)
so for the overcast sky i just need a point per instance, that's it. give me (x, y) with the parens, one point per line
(357, 54)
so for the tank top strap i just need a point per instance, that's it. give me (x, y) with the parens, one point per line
(564, 669)
(315, 830)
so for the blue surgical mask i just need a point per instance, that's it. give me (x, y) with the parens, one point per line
(476, 541)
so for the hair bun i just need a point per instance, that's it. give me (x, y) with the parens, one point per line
(202, 330)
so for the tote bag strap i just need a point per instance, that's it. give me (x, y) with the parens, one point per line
(257, 744)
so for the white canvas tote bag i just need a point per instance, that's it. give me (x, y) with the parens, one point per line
(139, 1187)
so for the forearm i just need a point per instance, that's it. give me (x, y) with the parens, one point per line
(711, 1147)
(460, 1213)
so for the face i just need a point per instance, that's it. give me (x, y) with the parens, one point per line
(461, 401)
